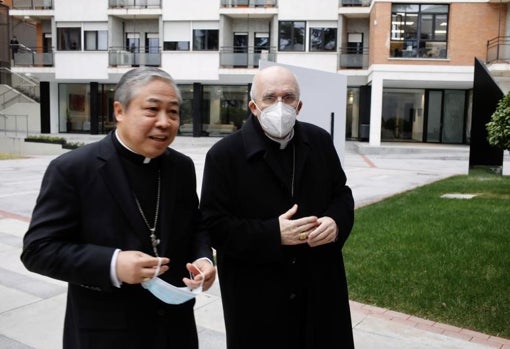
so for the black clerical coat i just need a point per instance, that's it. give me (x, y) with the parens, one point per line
(86, 210)
(278, 296)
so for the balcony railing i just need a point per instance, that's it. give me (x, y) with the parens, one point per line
(33, 57)
(118, 56)
(249, 3)
(498, 49)
(28, 87)
(358, 3)
(353, 58)
(32, 4)
(244, 57)
(134, 3)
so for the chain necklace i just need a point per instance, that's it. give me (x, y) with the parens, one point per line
(154, 240)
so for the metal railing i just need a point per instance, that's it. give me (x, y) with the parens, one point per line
(32, 4)
(498, 49)
(20, 83)
(33, 56)
(249, 3)
(355, 3)
(12, 125)
(245, 57)
(353, 58)
(121, 56)
(134, 3)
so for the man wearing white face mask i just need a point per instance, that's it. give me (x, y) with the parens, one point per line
(275, 200)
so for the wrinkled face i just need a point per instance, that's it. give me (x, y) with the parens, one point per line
(150, 123)
(275, 84)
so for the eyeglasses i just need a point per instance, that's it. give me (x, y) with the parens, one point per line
(288, 98)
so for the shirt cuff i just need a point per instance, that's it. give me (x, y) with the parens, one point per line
(113, 270)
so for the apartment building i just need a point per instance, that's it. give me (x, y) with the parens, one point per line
(409, 64)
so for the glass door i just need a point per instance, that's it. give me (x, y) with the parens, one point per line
(240, 49)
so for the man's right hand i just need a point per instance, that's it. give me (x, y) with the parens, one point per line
(134, 267)
(295, 232)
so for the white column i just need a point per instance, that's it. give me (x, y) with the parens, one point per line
(376, 111)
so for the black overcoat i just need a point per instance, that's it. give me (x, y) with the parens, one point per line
(85, 210)
(271, 292)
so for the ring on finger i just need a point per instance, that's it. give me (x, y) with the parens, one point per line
(302, 236)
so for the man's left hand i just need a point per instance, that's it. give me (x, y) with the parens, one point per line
(202, 270)
(325, 233)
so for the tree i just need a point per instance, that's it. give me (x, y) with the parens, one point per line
(498, 129)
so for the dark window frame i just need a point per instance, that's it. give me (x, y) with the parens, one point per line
(295, 33)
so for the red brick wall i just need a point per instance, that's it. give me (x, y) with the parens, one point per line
(470, 26)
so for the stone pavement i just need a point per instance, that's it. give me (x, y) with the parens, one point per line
(32, 306)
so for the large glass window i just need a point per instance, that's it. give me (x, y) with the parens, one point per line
(74, 111)
(402, 115)
(322, 39)
(205, 39)
(419, 31)
(96, 40)
(69, 39)
(292, 35)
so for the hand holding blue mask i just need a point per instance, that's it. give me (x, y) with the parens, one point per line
(169, 293)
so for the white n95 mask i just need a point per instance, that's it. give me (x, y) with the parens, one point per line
(278, 119)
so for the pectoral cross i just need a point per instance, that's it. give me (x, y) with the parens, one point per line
(155, 241)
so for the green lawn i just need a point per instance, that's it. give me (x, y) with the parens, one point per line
(446, 260)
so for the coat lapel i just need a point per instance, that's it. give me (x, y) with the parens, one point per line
(168, 196)
(111, 169)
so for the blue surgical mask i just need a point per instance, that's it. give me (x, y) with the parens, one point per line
(169, 293)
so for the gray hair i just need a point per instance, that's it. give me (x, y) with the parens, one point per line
(130, 83)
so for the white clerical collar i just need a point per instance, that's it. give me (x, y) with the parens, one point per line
(146, 160)
(283, 141)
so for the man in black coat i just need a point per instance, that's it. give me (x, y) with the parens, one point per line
(275, 200)
(119, 212)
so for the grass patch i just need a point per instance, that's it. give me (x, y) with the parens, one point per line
(446, 260)
(5, 156)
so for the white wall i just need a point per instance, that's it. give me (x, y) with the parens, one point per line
(88, 66)
(327, 61)
(199, 10)
(186, 67)
(22, 118)
(81, 11)
(308, 10)
(322, 93)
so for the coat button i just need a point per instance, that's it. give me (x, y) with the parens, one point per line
(161, 312)
(293, 261)
(292, 296)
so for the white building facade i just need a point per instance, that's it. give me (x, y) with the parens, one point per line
(409, 64)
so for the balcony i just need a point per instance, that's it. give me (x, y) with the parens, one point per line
(244, 57)
(248, 3)
(353, 58)
(33, 57)
(118, 57)
(134, 4)
(32, 4)
(355, 3)
(498, 50)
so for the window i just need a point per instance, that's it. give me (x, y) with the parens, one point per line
(322, 39)
(205, 39)
(292, 36)
(96, 40)
(69, 39)
(176, 45)
(419, 31)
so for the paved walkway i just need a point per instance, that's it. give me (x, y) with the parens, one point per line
(32, 306)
